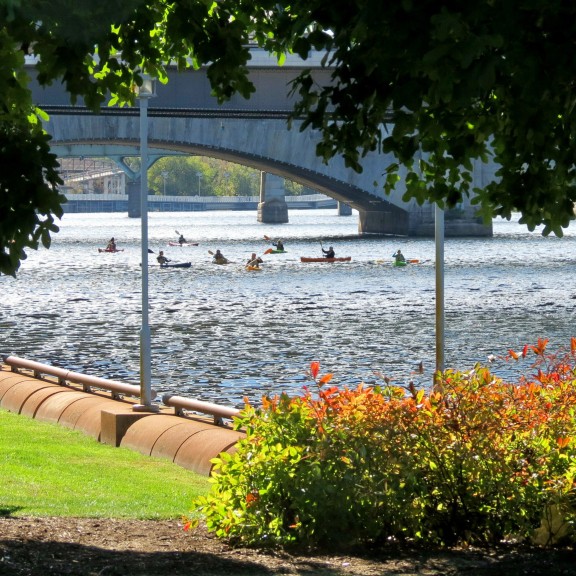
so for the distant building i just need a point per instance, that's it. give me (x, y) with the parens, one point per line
(91, 176)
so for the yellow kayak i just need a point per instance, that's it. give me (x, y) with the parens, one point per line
(253, 268)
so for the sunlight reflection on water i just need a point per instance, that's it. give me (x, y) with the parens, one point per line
(220, 333)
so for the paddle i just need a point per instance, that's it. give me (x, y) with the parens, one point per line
(267, 237)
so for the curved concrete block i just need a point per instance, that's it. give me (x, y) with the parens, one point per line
(72, 413)
(17, 395)
(90, 421)
(10, 379)
(36, 400)
(144, 433)
(85, 413)
(53, 406)
(196, 452)
(168, 443)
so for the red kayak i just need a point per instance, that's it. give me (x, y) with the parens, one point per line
(109, 250)
(346, 259)
(184, 244)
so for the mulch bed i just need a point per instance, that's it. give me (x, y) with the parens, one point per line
(96, 547)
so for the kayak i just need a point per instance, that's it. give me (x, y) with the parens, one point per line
(394, 263)
(253, 268)
(346, 259)
(108, 250)
(184, 244)
(177, 265)
(278, 252)
(224, 261)
(412, 261)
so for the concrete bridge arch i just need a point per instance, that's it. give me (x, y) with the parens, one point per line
(185, 118)
(264, 144)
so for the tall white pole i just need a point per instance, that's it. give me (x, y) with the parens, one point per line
(439, 239)
(145, 354)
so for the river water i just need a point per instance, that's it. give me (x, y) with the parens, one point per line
(220, 333)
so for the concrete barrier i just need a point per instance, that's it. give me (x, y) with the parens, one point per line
(190, 442)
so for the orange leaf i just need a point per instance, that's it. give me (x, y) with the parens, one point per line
(189, 524)
(542, 343)
(563, 442)
(525, 351)
(326, 378)
(314, 368)
(573, 345)
(513, 354)
(251, 497)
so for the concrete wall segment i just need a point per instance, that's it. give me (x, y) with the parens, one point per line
(18, 395)
(189, 442)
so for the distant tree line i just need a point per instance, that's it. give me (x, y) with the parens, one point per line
(194, 175)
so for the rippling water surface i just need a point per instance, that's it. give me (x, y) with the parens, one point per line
(220, 333)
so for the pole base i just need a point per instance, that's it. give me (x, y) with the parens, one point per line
(146, 408)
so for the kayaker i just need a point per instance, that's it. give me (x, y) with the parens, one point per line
(162, 260)
(182, 240)
(254, 261)
(399, 256)
(111, 245)
(279, 245)
(219, 258)
(329, 253)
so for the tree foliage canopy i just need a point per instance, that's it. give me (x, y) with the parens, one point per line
(436, 84)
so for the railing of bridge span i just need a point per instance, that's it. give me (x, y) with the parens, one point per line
(211, 199)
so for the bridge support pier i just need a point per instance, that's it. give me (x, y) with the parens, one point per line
(459, 222)
(272, 208)
(419, 221)
(344, 209)
(133, 192)
(390, 220)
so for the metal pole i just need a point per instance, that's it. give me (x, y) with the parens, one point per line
(439, 239)
(145, 354)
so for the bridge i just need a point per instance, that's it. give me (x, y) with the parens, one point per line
(81, 203)
(184, 119)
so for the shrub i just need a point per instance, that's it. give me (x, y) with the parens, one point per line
(474, 460)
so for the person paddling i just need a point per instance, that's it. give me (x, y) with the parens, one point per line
(219, 258)
(162, 260)
(182, 240)
(399, 256)
(329, 253)
(254, 261)
(279, 245)
(111, 245)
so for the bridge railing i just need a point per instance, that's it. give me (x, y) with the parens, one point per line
(210, 199)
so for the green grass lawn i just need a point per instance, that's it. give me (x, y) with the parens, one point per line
(49, 470)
